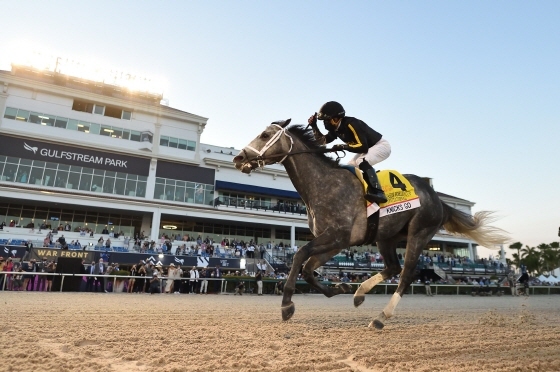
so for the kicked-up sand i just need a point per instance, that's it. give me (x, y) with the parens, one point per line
(140, 332)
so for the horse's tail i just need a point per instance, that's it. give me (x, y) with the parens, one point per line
(475, 227)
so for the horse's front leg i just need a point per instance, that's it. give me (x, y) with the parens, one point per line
(325, 242)
(308, 274)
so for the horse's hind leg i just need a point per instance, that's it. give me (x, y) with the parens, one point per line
(392, 267)
(316, 262)
(413, 248)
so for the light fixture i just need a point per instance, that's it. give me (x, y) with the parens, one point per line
(80, 125)
(108, 130)
(169, 227)
(43, 117)
(160, 255)
(86, 131)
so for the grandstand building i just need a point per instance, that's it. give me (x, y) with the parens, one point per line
(92, 153)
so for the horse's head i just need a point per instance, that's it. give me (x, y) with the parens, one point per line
(269, 147)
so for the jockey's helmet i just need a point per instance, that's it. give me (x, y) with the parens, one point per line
(331, 110)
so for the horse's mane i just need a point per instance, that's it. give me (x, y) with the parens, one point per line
(308, 138)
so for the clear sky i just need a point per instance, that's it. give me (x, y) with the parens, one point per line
(466, 92)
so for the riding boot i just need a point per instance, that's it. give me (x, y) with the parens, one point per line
(374, 193)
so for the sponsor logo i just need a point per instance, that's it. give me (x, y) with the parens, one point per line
(202, 262)
(224, 263)
(85, 158)
(151, 259)
(181, 261)
(29, 148)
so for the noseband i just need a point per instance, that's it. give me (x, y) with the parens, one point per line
(260, 158)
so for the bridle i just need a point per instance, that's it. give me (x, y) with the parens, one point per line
(260, 158)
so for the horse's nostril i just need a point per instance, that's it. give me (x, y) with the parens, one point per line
(237, 158)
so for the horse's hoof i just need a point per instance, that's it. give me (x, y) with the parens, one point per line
(288, 311)
(358, 300)
(344, 287)
(378, 324)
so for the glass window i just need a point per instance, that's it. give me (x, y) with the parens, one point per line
(25, 162)
(131, 177)
(85, 182)
(75, 168)
(63, 167)
(169, 192)
(106, 130)
(120, 186)
(48, 177)
(191, 145)
(180, 194)
(110, 174)
(173, 142)
(23, 174)
(10, 113)
(22, 115)
(182, 144)
(13, 160)
(99, 172)
(94, 128)
(108, 185)
(130, 189)
(164, 141)
(51, 165)
(73, 125)
(135, 135)
(82, 126)
(159, 191)
(82, 106)
(142, 178)
(97, 184)
(34, 117)
(99, 110)
(61, 178)
(126, 134)
(126, 115)
(87, 170)
(73, 181)
(61, 122)
(117, 133)
(36, 177)
(9, 173)
(47, 120)
(113, 112)
(141, 189)
(38, 163)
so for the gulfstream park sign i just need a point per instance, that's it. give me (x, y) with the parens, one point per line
(77, 156)
(84, 157)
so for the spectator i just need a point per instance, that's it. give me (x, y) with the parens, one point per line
(258, 278)
(217, 275)
(30, 267)
(204, 274)
(193, 282)
(170, 278)
(108, 243)
(239, 286)
(100, 270)
(42, 279)
(178, 276)
(279, 287)
(427, 286)
(90, 279)
(154, 284)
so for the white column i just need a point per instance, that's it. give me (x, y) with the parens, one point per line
(293, 235)
(3, 98)
(156, 219)
(151, 184)
(471, 253)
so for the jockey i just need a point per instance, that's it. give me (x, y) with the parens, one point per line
(367, 144)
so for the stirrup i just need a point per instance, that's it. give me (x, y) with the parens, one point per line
(378, 198)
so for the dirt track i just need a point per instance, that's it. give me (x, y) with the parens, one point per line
(120, 332)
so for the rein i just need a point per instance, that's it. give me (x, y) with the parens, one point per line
(260, 158)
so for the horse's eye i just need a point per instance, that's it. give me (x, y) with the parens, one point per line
(264, 135)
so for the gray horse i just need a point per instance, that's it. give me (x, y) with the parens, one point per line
(336, 214)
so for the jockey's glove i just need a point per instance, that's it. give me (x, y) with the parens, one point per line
(340, 147)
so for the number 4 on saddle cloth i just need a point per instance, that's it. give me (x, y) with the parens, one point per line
(398, 190)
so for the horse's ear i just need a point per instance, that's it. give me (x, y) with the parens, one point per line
(282, 123)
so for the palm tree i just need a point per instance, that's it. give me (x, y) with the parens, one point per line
(531, 258)
(516, 246)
